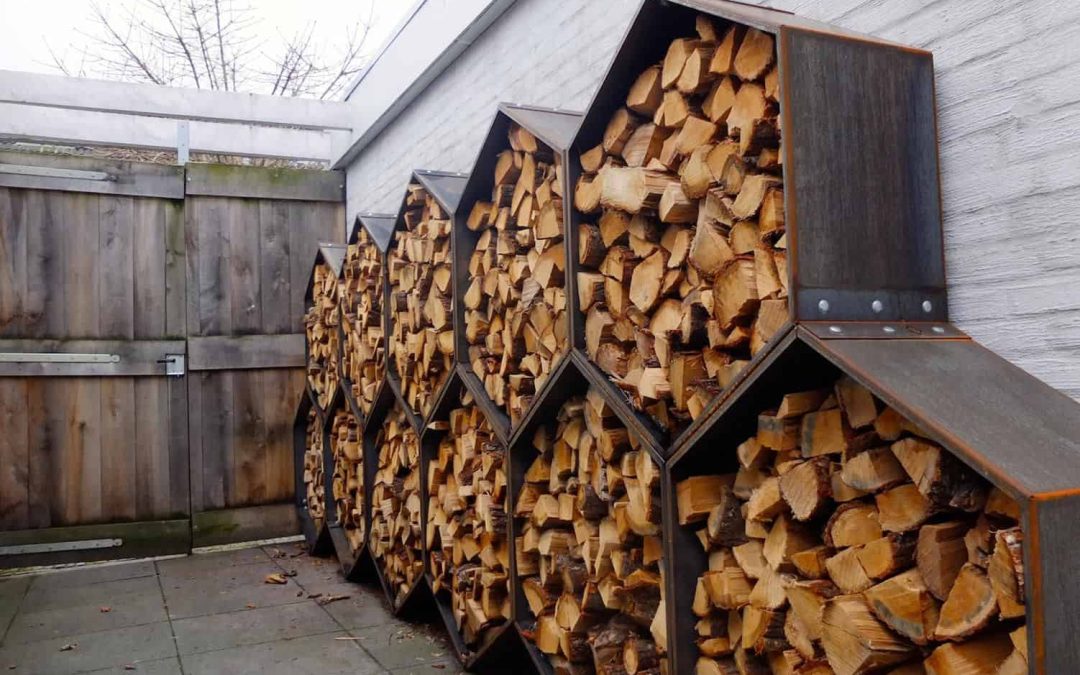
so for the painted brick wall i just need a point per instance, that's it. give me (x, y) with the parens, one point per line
(1008, 82)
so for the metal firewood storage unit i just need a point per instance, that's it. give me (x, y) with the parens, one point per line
(1020, 434)
(378, 228)
(555, 130)
(445, 188)
(500, 641)
(332, 256)
(859, 161)
(316, 534)
(350, 558)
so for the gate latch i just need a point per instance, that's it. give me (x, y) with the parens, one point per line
(174, 365)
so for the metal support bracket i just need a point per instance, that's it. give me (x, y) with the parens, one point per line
(882, 330)
(56, 357)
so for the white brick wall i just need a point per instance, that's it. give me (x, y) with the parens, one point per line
(1008, 83)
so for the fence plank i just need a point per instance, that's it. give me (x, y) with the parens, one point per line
(118, 453)
(41, 482)
(242, 266)
(149, 268)
(116, 292)
(140, 179)
(14, 456)
(274, 267)
(223, 352)
(220, 180)
(12, 262)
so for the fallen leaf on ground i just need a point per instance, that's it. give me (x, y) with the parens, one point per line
(250, 606)
(275, 578)
(331, 598)
(290, 573)
(105, 610)
(312, 596)
(69, 646)
(129, 667)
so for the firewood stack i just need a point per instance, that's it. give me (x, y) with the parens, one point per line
(589, 548)
(466, 528)
(346, 448)
(321, 324)
(849, 542)
(314, 480)
(421, 300)
(515, 307)
(363, 359)
(682, 249)
(395, 526)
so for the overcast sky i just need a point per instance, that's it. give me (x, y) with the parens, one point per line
(31, 27)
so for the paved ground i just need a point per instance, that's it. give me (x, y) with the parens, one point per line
(210, 613)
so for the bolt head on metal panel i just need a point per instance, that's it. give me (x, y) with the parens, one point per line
(877, 306)
(823, 305)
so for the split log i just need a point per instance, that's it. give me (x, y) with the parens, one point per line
(346, 447)
(469, 555)
(396, 527)
(323, 338)
(515, 308)
(421, 300)
(363, 355)
(681, 301)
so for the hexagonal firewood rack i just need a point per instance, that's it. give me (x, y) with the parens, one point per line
(444, 189)
(553, 131)
(369, 229)
(857, 162)
(1017, 433)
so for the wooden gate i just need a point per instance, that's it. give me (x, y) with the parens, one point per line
(109, 270)
(251, 238)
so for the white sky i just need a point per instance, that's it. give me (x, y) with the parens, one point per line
(30, 27)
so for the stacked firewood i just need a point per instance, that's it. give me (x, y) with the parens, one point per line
(590, 546)
(515, 308)
(849, 542)
(321, 325)
(363, 358)
(683, 252)
(314, 478)
(347, 449)
(466, 526)
(421, 300)
(395, 526)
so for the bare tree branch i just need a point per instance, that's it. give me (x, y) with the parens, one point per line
(214, 44)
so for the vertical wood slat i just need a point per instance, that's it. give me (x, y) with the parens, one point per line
(14, 456)
(13, 232)
(41, 480)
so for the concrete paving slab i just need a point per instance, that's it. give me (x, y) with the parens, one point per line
(316, 654)
(11, 595)
(42, 596)
(94, 651)
(82, 576)
(211, 562)
(365, 606)
(403, 645)
(125, 609)
(234, 629)
(446, 667)
(194, 601)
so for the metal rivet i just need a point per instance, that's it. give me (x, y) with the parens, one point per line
(927, 305)
(889, 329)
(823, 305)
(835, 329)
(877, 306)
(938, 329)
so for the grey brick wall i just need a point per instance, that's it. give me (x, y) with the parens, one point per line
(1008, 82)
